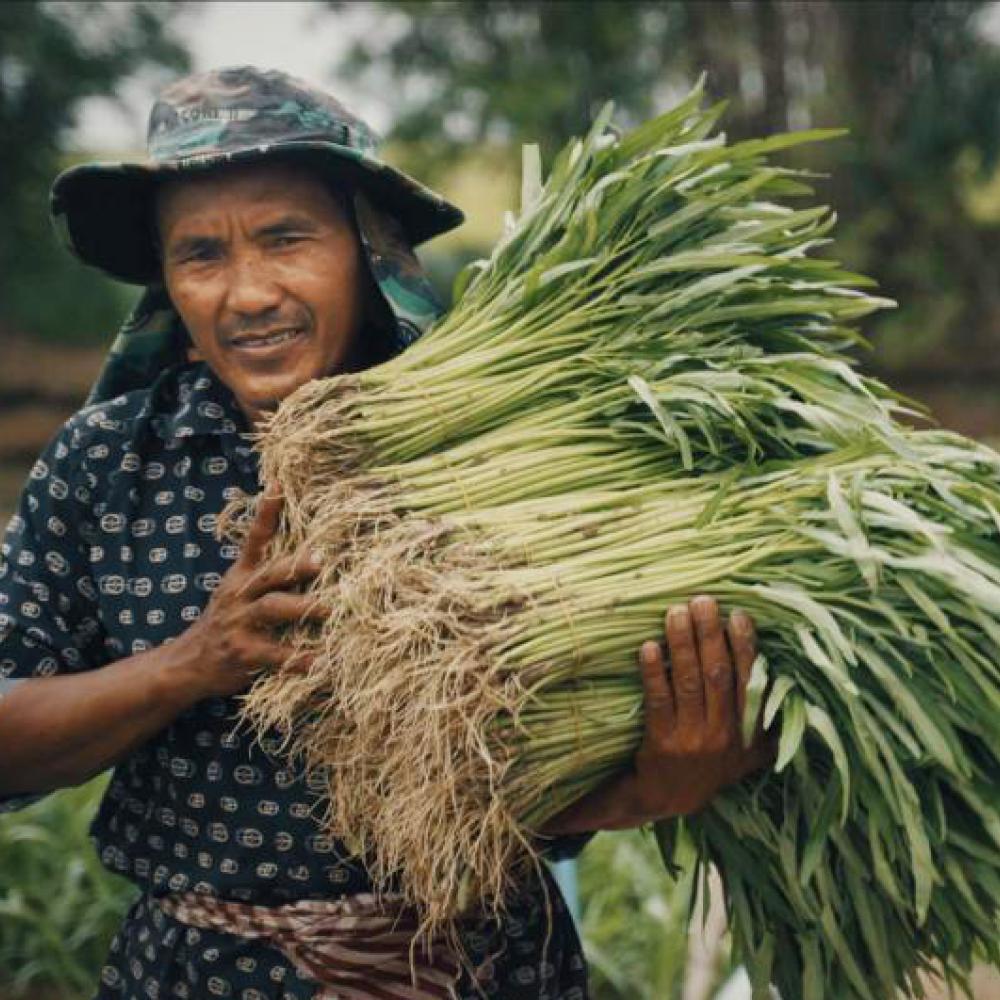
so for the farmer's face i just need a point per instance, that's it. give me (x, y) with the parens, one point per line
(265, 270)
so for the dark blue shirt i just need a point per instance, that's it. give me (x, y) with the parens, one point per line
(113, 551)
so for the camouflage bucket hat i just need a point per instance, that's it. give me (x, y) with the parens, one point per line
(104, 211)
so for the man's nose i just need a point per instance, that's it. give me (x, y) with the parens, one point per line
(252, 288)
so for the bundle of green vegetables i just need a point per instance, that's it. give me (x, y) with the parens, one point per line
(645, 394)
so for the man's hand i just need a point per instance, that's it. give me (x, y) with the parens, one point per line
(694, 705)
(235, 637)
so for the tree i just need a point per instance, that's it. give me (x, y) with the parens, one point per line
(52, 56)
(916, 81)
(919, 86)
(512, 71)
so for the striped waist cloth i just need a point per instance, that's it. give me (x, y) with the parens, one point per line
(356, 948)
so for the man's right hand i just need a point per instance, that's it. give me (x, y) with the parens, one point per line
(235, 638)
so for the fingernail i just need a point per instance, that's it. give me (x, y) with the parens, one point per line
(702, 604)
(677, 614)
(741, 621)
(650, 650)
(316, 559)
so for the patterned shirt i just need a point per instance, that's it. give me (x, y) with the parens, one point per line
(113, 551)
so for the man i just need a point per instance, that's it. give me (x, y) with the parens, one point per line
(275, 248)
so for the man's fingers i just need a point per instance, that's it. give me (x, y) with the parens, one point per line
(743, 640)
(658, 698)
(685, 669)
(282, 607)
(265, 525)
(716, 667)
(283, 574)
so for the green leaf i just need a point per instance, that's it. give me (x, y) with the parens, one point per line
(793, 727)
(781, 687)
(754, 696)
(936, 744)
(814, 976)
(821, 722)
(819, 832)
(670, 427)
(858, 546)
(465, 278)
(531, 176)
(560, 270)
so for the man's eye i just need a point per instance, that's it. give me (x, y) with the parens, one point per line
(199, 255)
(286, 241)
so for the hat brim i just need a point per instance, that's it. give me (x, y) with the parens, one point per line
(105, 210)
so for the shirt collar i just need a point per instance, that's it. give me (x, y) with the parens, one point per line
(194, 402)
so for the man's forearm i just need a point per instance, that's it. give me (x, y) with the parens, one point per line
(60, 731)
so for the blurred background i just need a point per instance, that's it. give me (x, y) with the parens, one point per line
(455, 88)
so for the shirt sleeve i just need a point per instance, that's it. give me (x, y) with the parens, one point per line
(49, 621)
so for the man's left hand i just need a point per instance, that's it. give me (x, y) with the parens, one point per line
(692, 747)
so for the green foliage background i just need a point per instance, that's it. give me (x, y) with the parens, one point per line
(916, 82)
(59, 906)
(52, 57)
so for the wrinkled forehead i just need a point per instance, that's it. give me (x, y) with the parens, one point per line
(272, 184)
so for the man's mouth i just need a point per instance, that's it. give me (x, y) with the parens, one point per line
(261, 341)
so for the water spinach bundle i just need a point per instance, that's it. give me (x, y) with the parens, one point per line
(643, 394)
